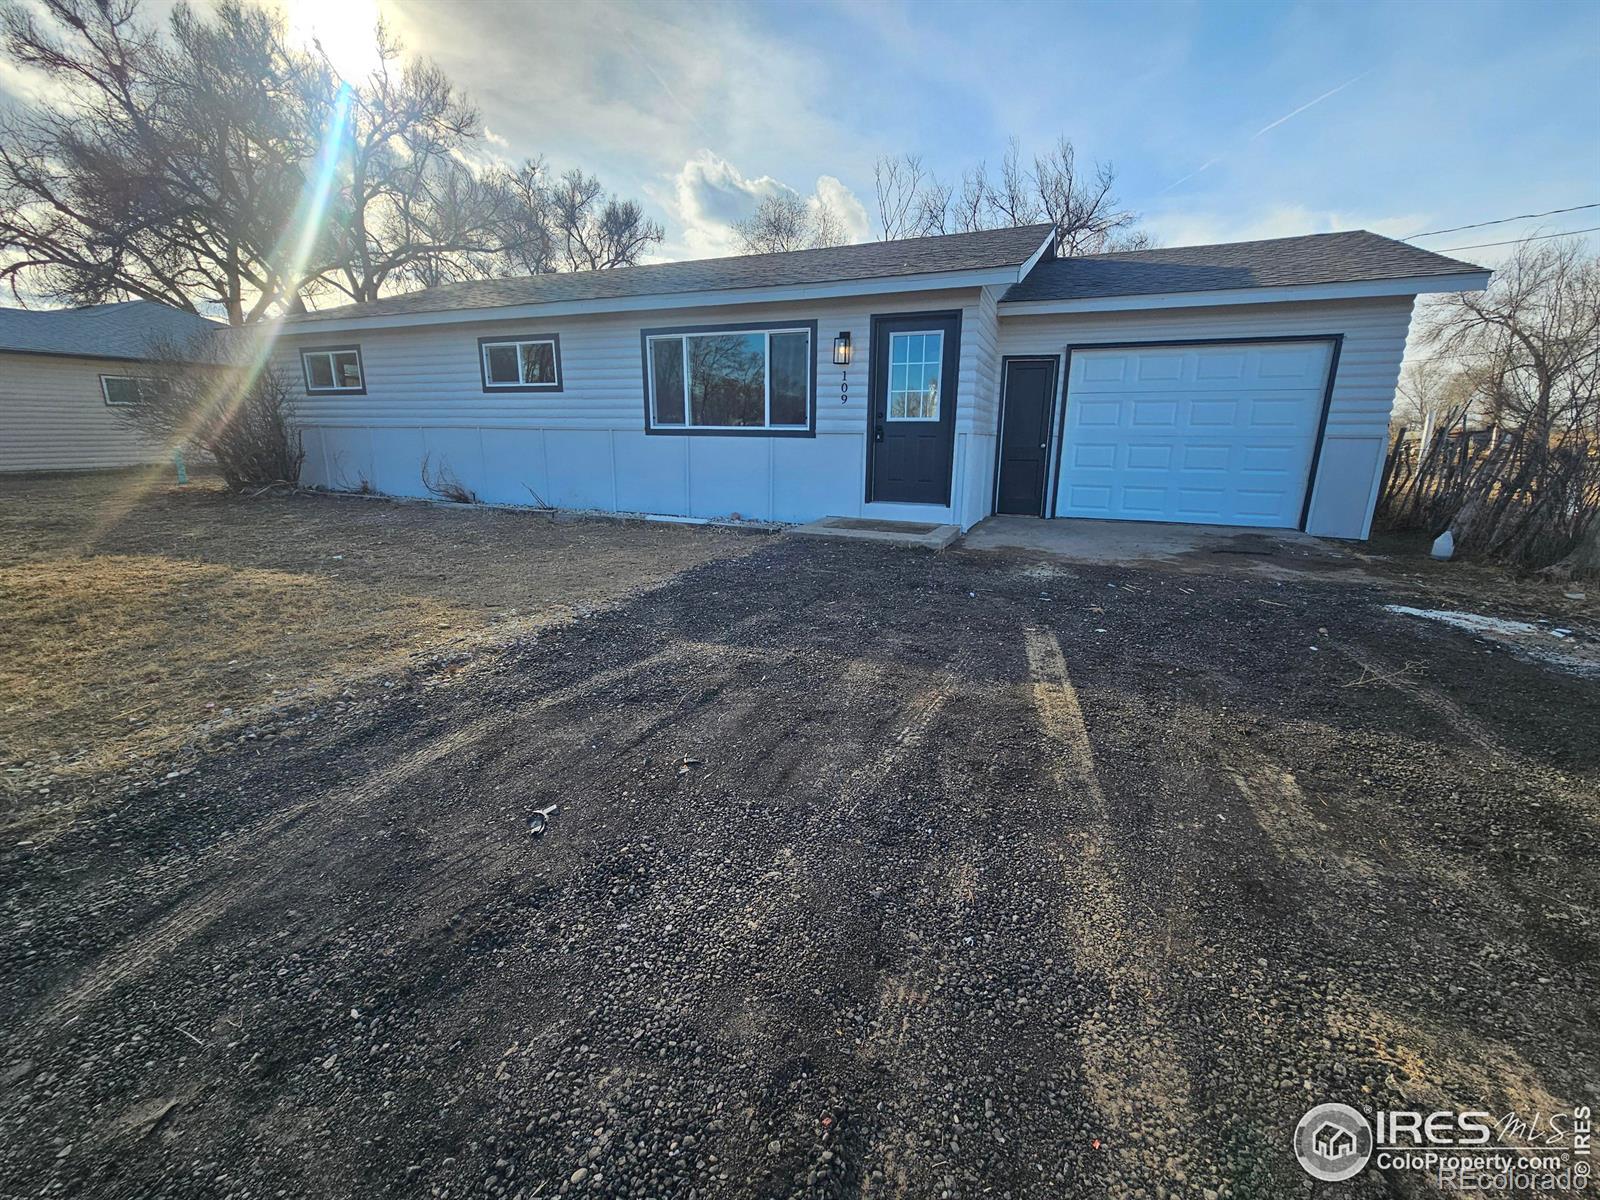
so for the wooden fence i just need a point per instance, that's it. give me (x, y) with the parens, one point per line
(1522, 500)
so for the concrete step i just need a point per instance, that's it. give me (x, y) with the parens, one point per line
(868, 529)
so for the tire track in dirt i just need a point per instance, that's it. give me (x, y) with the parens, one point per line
(1135, 1071)
(1456, 717)
(273, 836)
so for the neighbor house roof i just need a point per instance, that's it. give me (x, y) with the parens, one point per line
(1320, 258)
(131, 330)
(986, 250)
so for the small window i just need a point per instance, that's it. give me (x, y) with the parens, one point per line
(333, 369)
(741, 379)
(522, 364)
(125, 391)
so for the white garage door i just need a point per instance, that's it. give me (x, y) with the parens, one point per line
(1220, 435)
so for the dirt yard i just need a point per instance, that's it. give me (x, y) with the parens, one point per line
(873, 873)
(140, 615)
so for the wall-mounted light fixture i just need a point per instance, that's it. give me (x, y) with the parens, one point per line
(841, 350)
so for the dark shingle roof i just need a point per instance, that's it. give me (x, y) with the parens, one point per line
(985, 250)
(1279, 262)
(124, 331)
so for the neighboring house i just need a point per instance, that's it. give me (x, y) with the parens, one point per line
(1244, 384)
(65, 371)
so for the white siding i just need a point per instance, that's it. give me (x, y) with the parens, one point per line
(1346, 485)
(585, 447)
(53, 416)
(977, 422)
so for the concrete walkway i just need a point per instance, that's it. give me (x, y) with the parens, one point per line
(1127, 542)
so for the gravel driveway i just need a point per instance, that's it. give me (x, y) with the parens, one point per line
(875, 873)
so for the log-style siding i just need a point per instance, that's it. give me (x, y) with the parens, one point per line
(53, 416)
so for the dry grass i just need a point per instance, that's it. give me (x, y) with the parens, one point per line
(133, 616)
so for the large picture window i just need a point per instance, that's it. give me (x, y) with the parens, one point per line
(525, 363)
(333, 370)
(731, 379)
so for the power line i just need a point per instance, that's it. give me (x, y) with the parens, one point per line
(1501, 221)
(1516, 241)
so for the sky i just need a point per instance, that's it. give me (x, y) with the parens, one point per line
(1224, 121)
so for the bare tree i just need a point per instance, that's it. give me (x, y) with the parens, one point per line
(785, 221)
(407, 207)
(827, 226)
(1433, 391)
(899, 183)
(1533, 339)
(593, 231)
(1529, 350)
(177, 166)
(169, 167)
(913, 202)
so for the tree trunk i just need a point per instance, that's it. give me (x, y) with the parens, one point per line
(1584, 560)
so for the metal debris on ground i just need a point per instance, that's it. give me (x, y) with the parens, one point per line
(540, 819)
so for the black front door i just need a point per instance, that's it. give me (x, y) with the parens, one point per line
(912, 435)
(1026, 401)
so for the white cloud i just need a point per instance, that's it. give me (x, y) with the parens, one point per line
(847, 207)
(490, 135)
(710, 196)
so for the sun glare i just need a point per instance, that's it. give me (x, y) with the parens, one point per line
(346, 29)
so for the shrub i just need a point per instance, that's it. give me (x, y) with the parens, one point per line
(228, 407)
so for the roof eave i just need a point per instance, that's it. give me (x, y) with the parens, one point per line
(876, 285)
(1473, 281)
(93, 355)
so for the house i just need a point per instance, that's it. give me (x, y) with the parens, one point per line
(931, 379)
(64, 373)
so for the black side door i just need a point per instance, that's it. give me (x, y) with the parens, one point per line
(913, 420)
(1027, 399)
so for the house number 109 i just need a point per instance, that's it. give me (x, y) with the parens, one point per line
(844, 387)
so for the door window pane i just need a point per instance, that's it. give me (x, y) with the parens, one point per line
(727, 379)
(666, 360)
(916, 363)
(791, 378)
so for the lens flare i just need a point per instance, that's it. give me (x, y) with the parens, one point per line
(249, 351)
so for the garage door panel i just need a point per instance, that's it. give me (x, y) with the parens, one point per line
(1154, 414)
(1106, 368)
(1149, 457)
(1212, 434)
(1155, 368)
(1100, 413)
(1229, 367)
(1203, 457)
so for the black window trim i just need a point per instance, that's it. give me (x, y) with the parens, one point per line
(808, 430)
(106, 395)
(305, 371)
(515, 339)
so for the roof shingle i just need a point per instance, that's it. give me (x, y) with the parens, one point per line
(1351, 257)
(984, 250)
(123, 331)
